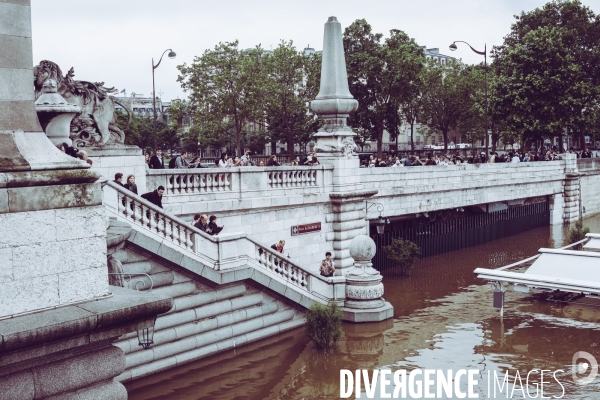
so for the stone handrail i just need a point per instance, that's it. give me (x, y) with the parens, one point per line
(219, 252)
(255, 181)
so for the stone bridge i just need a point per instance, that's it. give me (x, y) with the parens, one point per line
(266, 202)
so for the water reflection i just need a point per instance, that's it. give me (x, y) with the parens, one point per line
(443, 320)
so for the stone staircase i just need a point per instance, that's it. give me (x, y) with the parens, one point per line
(205, 319)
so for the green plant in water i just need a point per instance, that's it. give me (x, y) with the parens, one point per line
(324, 325)
(403, 253)
(577, 233)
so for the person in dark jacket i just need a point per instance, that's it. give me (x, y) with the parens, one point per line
(202, 224)
(157, 161)
(155, 197)
(272, 162)
(130, 184)
(212, 224)
(119, 179)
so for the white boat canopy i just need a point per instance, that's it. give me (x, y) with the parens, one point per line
(553, 269)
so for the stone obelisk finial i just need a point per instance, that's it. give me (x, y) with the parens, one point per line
(334, 103)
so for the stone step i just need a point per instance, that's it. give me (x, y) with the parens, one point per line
(137, 267)
(129, 257)
(222, 370)
(217, 341)
(207, 297)
(173, 326)
(142, 282)
(189, 300)
(209, 332)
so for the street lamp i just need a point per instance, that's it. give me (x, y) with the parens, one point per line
(484, 54)
(171, 55)
(381, 221)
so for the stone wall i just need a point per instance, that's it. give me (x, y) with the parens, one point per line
(590, 185)
(52, 257)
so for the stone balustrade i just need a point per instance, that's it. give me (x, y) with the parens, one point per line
(221, 252)
(239, 182)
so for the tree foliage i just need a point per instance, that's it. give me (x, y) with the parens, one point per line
(576, 233)
(449, 101)
(290, 83)
(403, 253)
(381, 76)
(548, 71)
(324, 325)
(223, 92)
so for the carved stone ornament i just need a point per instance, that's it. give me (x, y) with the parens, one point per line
(348, 147)
(364, 292)
(96, 123)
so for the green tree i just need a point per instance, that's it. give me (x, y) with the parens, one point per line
(223, 92)
(381, 76)
(139, 131)
(403, 253)
(576, 233)
(324, 324)
(411, 108)
(548, 71)
(289, 86)
(449, 101)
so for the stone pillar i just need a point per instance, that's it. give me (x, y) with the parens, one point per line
(572, 190)
(572, 198)
(348, 217)
(55, 301)
(364, 290)
(334, 103)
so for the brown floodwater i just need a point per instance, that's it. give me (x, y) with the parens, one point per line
(443, 319)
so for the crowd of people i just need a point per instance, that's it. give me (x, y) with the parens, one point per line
(157, 161)
(411, 160)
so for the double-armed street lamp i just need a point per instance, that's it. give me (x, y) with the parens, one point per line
(171, 55)
(484, 54)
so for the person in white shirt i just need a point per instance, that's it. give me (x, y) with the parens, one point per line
(223, 162)
(515, 159)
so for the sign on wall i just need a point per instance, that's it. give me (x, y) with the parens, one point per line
(306, 228)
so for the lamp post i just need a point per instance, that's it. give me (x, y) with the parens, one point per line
(171, 55)
(484, 54)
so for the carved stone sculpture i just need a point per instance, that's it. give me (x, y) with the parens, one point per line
(96, 125)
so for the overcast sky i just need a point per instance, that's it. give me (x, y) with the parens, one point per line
(115, 40)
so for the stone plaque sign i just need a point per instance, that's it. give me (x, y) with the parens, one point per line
(306, 228)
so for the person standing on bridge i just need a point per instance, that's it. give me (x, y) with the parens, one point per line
(157, 161)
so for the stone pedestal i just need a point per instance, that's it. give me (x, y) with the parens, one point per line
(127, 159)
(364, 290)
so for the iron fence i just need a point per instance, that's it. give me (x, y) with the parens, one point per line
(454, 234)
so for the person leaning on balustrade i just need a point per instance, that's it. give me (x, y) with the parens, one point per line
(130, 184)
(155, 197)
(272, 162)
(224, 162)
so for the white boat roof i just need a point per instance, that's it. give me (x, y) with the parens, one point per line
(594, 243)
(554, 269)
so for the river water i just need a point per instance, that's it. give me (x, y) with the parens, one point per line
(443, 319)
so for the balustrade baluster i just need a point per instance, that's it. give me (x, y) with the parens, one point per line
(174, 231)
(145, 215)
(227, 182)
(154, 223)
(120, 205)
(184, 183)
(270, 178)
(189, 239)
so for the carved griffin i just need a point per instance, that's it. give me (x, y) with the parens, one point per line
(97, 123)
